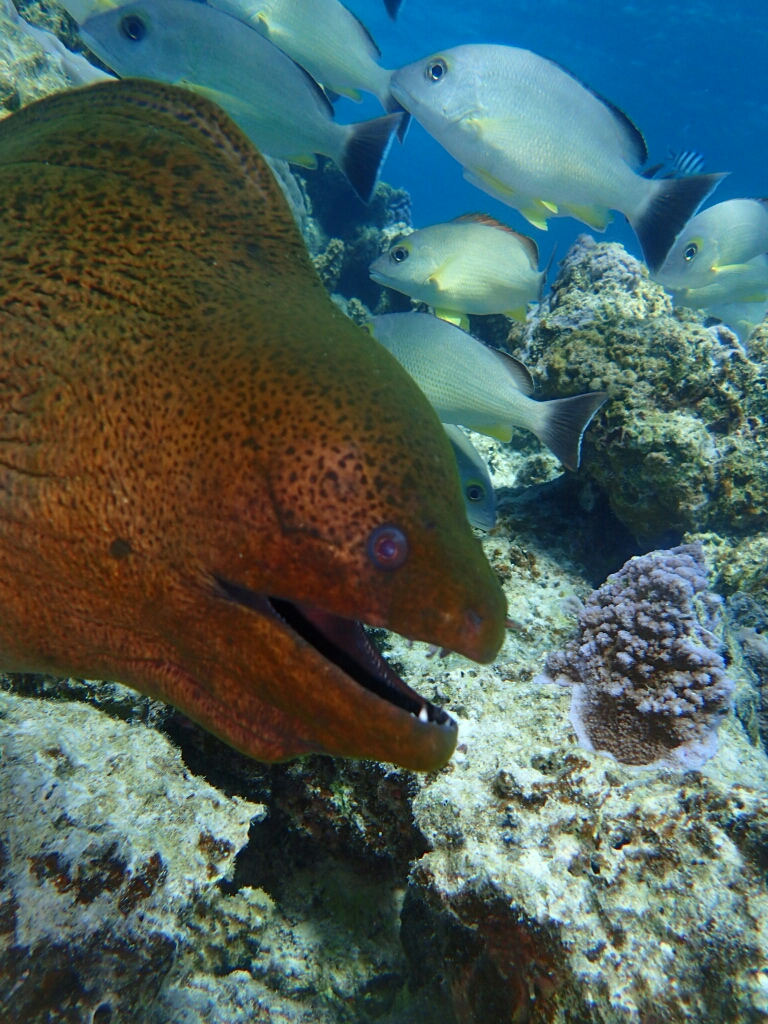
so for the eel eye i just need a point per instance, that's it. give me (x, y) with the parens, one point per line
(475, 492)
(690, 252)
(387, 547)
(133, 28)
(436, 69)
(399, 254)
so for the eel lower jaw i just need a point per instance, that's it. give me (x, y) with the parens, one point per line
(343, 642)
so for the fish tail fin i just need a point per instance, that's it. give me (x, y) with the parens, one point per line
(545, 273)
(392, 6)
(564, 421)
(391, 105)
(366, 150)
(672, 203)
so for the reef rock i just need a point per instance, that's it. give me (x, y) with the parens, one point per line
(681, 444)
(530, 881)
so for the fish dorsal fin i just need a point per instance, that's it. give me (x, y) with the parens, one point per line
(635, 148)
(518, 371)
(151, 151)
(485, 218)
(370, 43)
(320, 94)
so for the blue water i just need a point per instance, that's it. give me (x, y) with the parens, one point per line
(690, 75)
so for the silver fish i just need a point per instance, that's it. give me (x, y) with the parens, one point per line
(719, 256)
(743, 318)
(325, 38)
(474, 264)
(529, 133)
(480, 388)
(476, 486)
(276, 103)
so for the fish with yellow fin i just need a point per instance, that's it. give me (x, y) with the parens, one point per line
(532, 135)
(483, 389)
(279, 106)
(209, 476)
(471, 265)
(719, 257)
(325, 38)
(322, 36)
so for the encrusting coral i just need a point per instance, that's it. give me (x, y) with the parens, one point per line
(649, 682)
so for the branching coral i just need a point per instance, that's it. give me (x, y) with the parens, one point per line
(649, 683)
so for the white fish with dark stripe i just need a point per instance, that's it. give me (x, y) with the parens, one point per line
(529, 133)
(480, 388)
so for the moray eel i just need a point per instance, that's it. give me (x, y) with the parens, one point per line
(208, 475)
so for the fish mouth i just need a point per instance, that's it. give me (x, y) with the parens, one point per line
(344, 643)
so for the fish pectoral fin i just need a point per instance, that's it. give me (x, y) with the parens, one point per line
(552, 207)
(458, 319)
(731, 268)
(598, 217)
(439, 278)
(520, 314)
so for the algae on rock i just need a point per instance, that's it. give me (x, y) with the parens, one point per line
(681, 443)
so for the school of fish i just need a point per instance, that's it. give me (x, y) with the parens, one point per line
(245, 611)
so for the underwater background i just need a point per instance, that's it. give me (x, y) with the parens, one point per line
(690, 75)
(579, 860)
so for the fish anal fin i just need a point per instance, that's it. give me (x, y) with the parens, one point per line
(304, 160)
(535, 217)
(598, 217)
(520, 314)
(352, 94)
(498, 431)
(457, 319)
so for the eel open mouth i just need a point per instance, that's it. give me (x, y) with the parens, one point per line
(345, 643)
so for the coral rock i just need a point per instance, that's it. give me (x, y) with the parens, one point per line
(681, 445)
(649, 683)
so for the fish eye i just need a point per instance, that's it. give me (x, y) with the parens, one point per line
(436, 69)
(133, 28)
(387, 547)
(399, 254)
(475, 492)
(690, 252)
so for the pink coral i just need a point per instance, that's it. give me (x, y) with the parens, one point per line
(649, 682)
